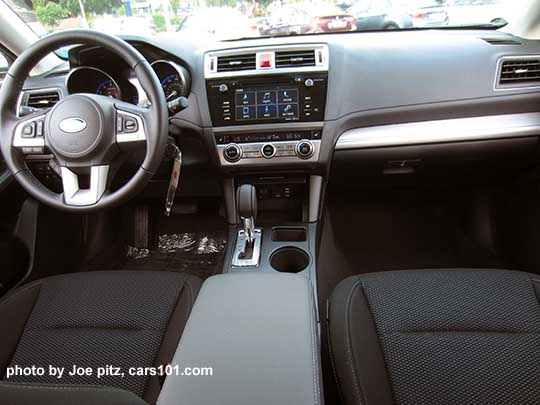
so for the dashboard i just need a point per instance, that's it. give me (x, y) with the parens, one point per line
(311, 103)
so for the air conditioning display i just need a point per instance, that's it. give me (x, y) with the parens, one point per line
(266, 104)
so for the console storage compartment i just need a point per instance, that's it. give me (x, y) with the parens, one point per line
(288, 234)
(258, 332)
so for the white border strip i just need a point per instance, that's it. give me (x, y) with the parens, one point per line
(441, 131)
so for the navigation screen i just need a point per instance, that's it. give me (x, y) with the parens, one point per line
(266, 104)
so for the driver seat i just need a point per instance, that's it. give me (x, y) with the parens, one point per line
(119, 319)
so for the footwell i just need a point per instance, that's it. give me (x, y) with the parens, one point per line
(196, 253)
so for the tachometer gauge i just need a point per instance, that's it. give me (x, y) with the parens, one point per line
(87, 79)
(108, 88)
(173, 87)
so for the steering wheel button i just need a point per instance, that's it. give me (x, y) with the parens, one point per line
(130, 125)
(39, 128)
(119, 123)
(28, 130)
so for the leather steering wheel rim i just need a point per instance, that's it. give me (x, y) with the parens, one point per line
(153, 120)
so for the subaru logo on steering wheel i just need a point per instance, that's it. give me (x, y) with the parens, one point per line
(72, 125)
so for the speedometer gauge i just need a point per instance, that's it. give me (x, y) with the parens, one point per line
(108, 88)
(173, 87)
(174, 79)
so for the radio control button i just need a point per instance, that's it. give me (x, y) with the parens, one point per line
(223, 88)
(232, 152)
(309, 83)
(304, 149)
(268, 150)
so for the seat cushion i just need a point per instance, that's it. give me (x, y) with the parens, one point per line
(437, 337)
(96, 319)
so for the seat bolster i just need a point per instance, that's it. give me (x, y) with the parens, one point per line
(357, 358)
(15, 309)
(45, 394)
(175, 328)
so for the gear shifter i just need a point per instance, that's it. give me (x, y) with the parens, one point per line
(248, 242)
(246, 200)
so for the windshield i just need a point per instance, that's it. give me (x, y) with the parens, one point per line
(231, 19)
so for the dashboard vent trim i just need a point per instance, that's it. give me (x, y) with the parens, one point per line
(275, 59)
(295, 58)
(41, 99)
(235, 63)
(518, 72)
(34, 100)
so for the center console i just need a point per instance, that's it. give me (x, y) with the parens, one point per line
(258, 332)
(267, 104)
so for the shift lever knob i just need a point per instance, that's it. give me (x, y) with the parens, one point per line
(246, 200)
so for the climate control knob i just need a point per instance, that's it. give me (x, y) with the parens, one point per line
(232, 152)
(304, 149)
(268, 150)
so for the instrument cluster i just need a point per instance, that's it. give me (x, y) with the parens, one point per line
(174, 79)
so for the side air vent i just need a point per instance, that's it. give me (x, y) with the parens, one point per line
(41, 99)
(296, 58)
(236, 63)
(520, 72)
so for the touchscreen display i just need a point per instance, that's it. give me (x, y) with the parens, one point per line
(266, 104)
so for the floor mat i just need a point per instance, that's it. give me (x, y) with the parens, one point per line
(196, 253)
(190, 243)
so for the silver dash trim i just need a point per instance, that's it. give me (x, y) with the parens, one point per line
(441, 131)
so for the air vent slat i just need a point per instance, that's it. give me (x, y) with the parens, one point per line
(236, 62)
(525, 71)
(296, 58)
(42, 99)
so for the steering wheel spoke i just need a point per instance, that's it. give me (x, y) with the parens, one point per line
(29, 136)
(130, 125)
(75, 194)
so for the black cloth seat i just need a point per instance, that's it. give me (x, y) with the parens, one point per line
(437, 337)
(95, 319)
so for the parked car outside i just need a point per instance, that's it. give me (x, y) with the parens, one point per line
(427, 13)
(379, 15)
(287, 21)
(466, 12)
(330, 18)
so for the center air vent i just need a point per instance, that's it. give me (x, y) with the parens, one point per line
(288, 59)
(520, 72)
(41, 99)
(236, 63)
(265, 60)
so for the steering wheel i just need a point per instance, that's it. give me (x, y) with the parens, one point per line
(85, 133)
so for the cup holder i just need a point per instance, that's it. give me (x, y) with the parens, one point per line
(289, 260)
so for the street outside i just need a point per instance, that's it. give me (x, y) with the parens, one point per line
(228, 19)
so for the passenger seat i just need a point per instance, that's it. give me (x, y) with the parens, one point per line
(437, 337)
